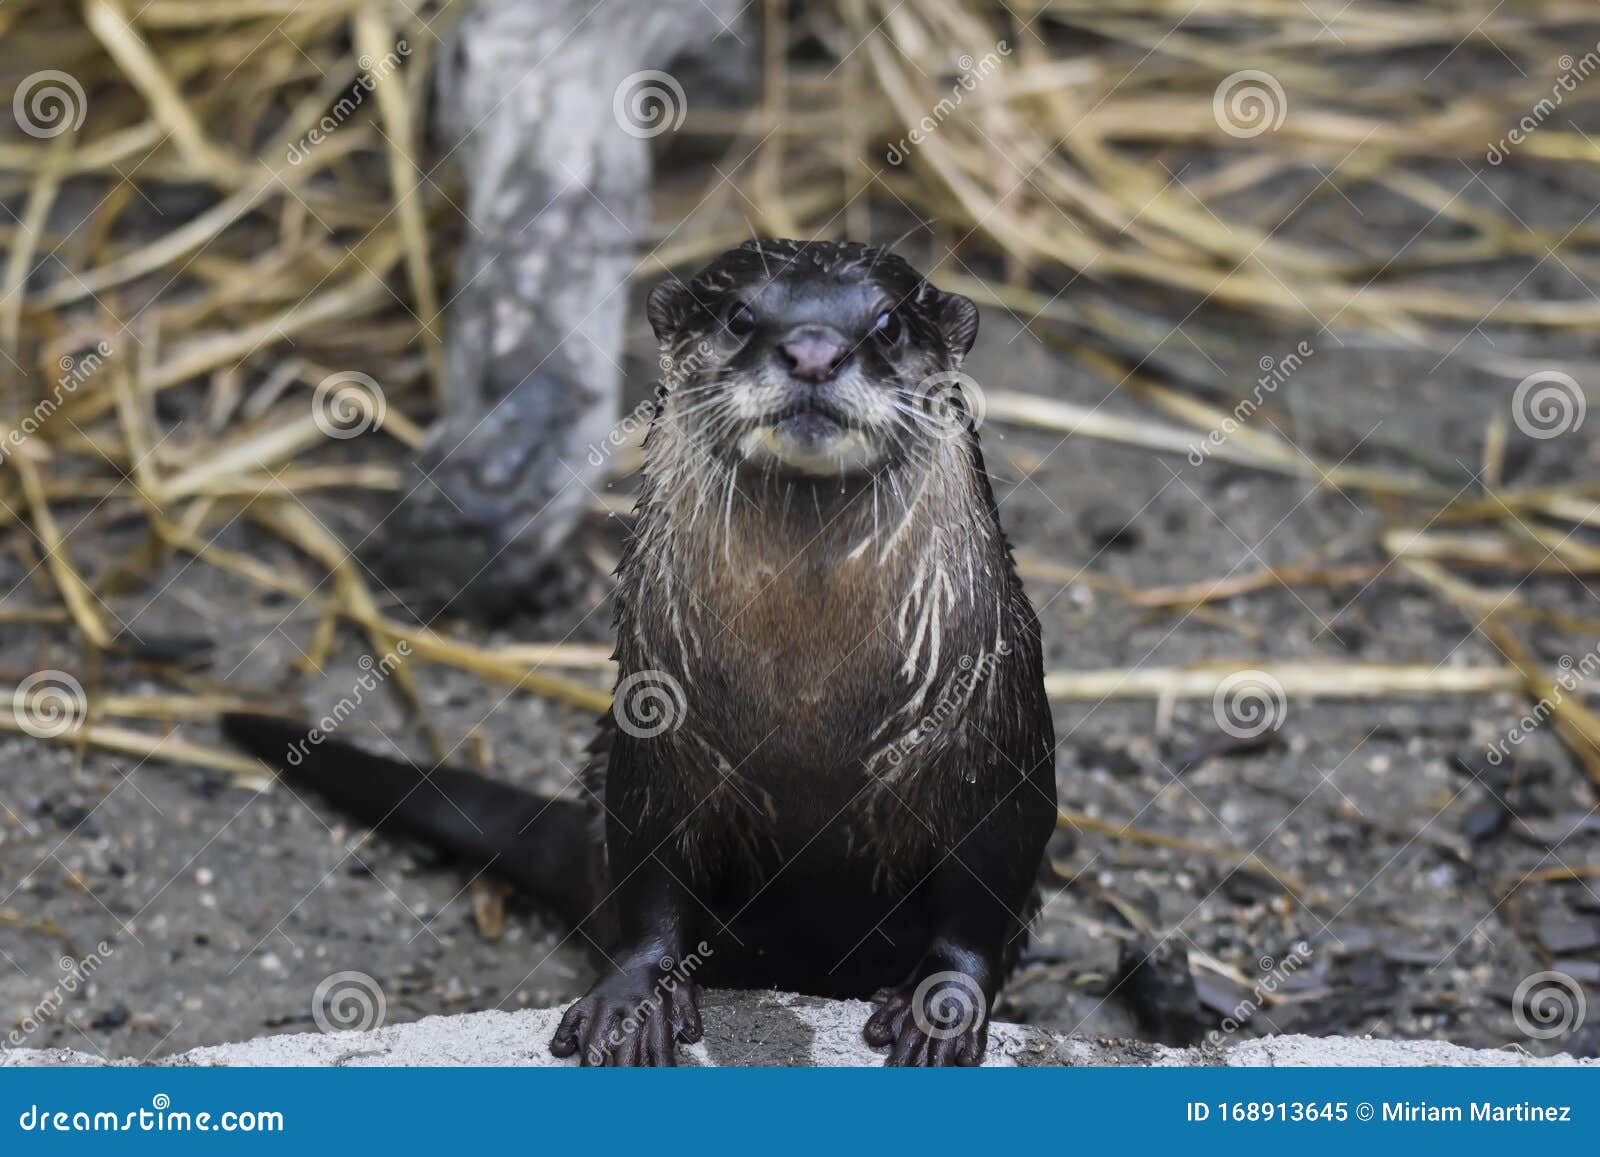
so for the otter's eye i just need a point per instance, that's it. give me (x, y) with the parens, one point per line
(887, 328)
(740, 320)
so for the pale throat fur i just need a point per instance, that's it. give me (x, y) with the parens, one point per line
(807, 601)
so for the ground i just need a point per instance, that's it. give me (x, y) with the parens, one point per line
(777, 1029)
(221, 910)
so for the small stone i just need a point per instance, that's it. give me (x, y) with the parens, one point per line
(114, 1017)
(1485, 820)
(1561, 932)
(1583, 971)
(1110, 530)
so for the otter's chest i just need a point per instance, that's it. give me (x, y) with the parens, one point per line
(805, 654)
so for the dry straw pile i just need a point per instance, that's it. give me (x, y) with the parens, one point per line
(214, 252)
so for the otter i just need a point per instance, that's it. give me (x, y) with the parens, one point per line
(829, 765)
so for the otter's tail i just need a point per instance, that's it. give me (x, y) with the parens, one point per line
(543, 846)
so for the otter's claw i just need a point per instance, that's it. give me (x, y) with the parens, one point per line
(938, 1021)
(630, 1020)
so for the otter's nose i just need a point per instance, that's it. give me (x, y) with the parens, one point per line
(814, 352)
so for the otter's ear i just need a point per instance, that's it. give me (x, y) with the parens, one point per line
(668, 307)
(958, 319)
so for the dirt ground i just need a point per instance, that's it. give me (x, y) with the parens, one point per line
(221, 910)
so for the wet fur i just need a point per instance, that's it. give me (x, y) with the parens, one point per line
(860, 787)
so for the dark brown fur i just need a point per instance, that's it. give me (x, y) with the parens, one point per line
(851, 786)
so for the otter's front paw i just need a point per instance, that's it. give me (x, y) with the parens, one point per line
(630, 1018)
(940, 1019)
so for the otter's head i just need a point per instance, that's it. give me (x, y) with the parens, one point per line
(811, 358)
